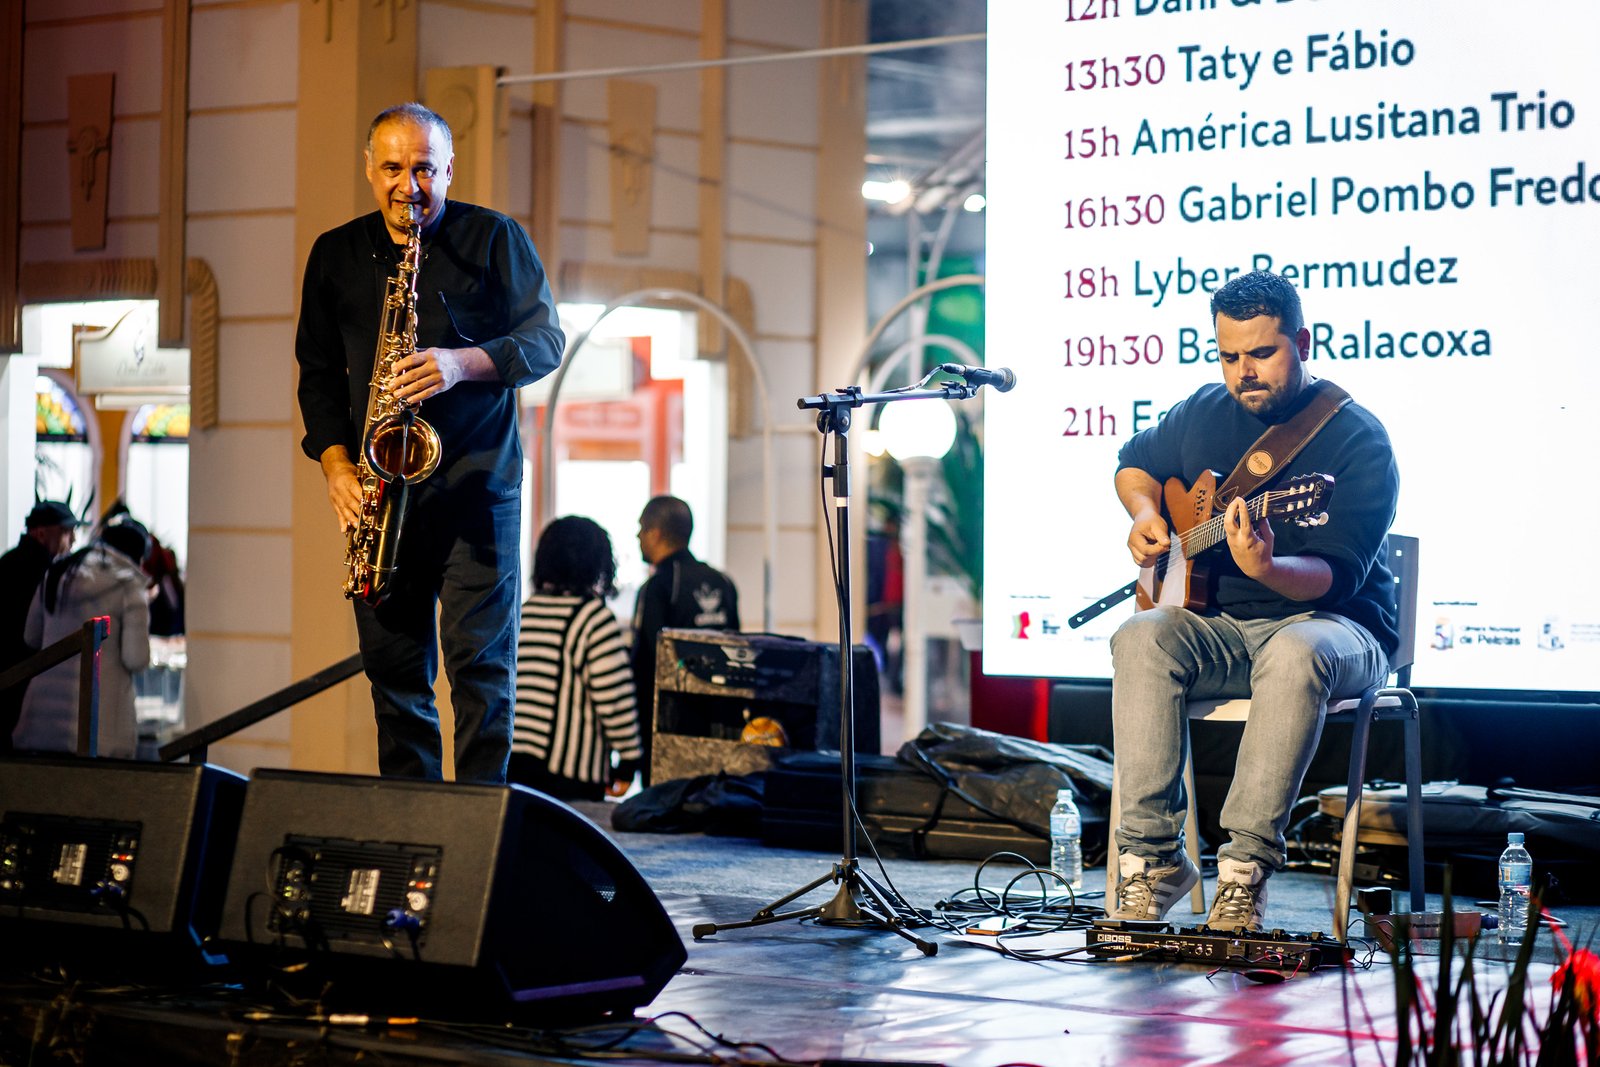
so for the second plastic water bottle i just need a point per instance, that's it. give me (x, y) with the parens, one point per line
(1516, 873)
(1066, 839)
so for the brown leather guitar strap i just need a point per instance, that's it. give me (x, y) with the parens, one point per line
(1273, 450)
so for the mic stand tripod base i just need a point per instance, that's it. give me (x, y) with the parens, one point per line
(859, 901)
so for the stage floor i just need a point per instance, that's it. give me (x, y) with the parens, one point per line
(821, 994)
(824, 993)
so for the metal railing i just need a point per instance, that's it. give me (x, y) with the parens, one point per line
(84, 643)
(196, 743)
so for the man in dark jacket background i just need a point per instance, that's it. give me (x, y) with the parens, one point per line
(47, 533)
(681, 592)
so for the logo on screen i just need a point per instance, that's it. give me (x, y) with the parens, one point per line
(1019, 625)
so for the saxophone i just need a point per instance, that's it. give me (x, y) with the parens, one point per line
(398, 448)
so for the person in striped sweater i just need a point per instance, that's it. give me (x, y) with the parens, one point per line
(575, 704)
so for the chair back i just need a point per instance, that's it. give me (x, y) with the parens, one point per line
(1403, 552)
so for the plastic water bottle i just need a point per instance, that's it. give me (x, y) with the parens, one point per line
(1066, 839)
(1516, 872)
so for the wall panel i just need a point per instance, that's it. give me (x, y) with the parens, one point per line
(266, 137)
(668, 14)
(258, 375)
(56, 52)
(244, 669)
(242, 478)
(243, 575)
(783, 281)
(447, 39)
(253, 259)
(244, 55)
(773, 192)
(761, 99)
(794, 25)
(598, 47)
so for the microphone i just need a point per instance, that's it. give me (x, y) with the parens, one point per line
(1002, 378)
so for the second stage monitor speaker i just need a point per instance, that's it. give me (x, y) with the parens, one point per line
(443, 900)
(113, 869)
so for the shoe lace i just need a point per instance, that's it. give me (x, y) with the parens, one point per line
(1235, 904)
(1136, 893)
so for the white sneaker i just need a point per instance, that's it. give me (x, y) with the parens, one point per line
(1147, 892)
(1241, 898)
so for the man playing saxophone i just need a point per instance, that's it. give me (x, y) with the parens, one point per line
(485, 324)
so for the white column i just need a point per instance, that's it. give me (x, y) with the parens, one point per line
(918, 433)
(918, 473)
(18, 409)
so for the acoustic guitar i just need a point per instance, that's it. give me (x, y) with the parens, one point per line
(1196, 525)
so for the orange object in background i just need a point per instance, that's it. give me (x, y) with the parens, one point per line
(763, 730)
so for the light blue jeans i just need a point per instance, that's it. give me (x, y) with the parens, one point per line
(1289, 668)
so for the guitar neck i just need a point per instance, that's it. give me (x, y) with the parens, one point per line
(1212, 532)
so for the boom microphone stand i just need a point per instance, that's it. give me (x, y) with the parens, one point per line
(859, 901)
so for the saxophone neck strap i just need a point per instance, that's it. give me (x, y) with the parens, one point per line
(1272, 451)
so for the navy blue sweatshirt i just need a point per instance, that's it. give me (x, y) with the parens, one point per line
(1211, 431)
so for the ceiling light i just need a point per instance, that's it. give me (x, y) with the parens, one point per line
(888, 192)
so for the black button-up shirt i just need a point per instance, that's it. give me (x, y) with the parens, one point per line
(481, 284)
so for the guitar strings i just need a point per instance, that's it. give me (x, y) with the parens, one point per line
(1211, 531)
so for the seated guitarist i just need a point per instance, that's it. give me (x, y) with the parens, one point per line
(1297, 615)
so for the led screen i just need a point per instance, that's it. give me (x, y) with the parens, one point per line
(1428, 174)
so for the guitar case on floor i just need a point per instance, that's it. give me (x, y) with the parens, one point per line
(954, 792)
(904, 812)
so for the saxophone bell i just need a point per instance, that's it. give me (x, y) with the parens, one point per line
(402, 447)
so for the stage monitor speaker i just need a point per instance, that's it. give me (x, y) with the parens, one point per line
(443, 900)
(114, 869)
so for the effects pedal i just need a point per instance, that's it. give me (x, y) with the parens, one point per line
(1276, 950)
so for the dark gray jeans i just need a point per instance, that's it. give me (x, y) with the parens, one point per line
(459, 565)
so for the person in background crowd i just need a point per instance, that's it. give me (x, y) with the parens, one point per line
(575, 703)
(681, 592)
(103, 578)
(161, 564)
(47, 534)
